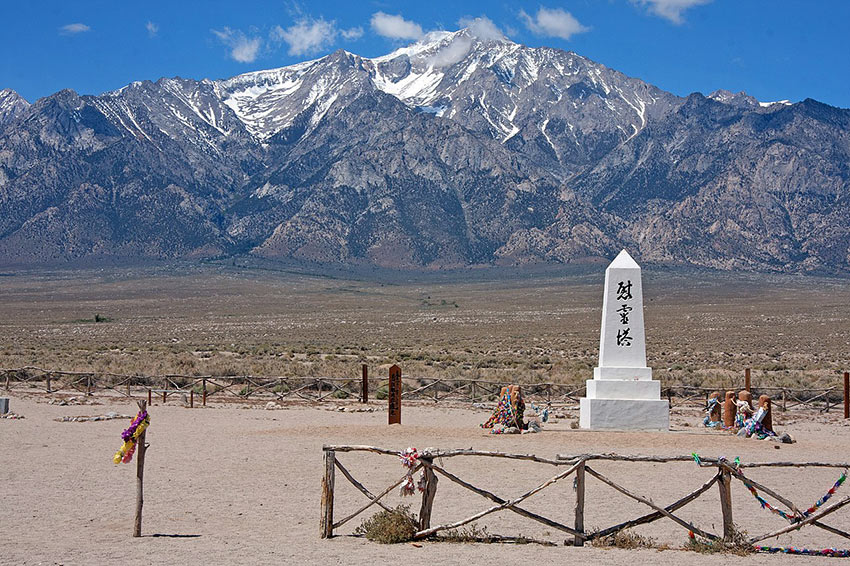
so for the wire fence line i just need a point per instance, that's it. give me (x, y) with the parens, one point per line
(326, 388)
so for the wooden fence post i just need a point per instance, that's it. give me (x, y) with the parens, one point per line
(364, 386)
(48, 384)
(140, 477)
(88, 386)
(327, 522)
(847, 394)
(163, 396)
(427, 495)
(579, 519)
(394, 396)
(785, 399)
(205, 392)
(192, 398)
(747, 383)
(7, 381)
(724, 481)
(149, 397)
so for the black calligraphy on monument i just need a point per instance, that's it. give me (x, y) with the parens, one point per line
(624, 293)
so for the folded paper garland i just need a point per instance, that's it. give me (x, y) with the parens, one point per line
(832, 552)
(130, 436)
(790, 517)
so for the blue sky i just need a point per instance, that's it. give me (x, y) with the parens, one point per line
(772, 49)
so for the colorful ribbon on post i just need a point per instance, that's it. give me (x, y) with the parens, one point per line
(131, 437)
(409, 458)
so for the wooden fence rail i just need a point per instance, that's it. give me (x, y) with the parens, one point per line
(319, 388)
(579, 467)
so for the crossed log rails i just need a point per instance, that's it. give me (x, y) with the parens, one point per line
(575, 465)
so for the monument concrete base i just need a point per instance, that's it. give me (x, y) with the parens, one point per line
(624, 414)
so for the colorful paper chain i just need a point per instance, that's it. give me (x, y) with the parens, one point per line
(833, 552)
(131, 436)
(504, 413)
(790, 517)
(793, 517)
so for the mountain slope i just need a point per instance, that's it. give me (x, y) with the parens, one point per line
(463, 148)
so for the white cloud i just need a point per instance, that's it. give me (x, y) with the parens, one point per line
(351, 34)
(72, 29)
(395, 27)
(306, 35)
(152, 28)
(481, 27)
(452, 53)
(243, 49)
(310, 35)
(553, 22)
(671, 9)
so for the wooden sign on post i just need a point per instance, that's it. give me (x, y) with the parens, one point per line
(394, 396)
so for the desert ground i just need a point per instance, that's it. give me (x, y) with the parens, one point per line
(519, 325)
(234, 483)
(228, 484)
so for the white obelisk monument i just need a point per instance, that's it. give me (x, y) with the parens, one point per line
(622, 393)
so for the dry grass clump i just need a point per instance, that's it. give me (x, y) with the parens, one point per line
(625, 539)
(469, 533)
(390, 527)
(738, 544)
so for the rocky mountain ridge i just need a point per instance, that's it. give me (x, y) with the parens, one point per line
(463, 148)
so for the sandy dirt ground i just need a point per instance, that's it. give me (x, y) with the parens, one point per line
(233, 485)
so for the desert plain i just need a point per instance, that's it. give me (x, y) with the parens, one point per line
(235, 483)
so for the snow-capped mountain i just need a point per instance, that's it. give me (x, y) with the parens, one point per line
(464, 147)
(11, 106)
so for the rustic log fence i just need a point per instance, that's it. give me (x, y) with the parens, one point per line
(578, 466)
(318, 388)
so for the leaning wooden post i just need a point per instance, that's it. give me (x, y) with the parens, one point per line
(847, 394)
(724, 482)
(427, 495)
(7, 381)
(394, 396)
(141, 448)
(579, 521)
(747, 383)
(327, 522)
(364, 385)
